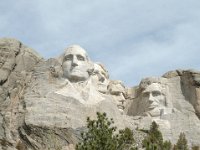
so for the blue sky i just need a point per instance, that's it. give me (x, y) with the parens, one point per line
(132, 38)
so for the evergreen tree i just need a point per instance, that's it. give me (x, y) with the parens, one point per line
(181, 143)
(167, 145)
(154, 139)
(125, 139)
(195, 148)
(101, 135)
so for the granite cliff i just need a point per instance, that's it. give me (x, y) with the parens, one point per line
(44, 103)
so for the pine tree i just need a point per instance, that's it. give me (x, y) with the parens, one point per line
(195, 148)
(167, 145)
(125, 139)
(101, 135)
(181, 143)
(154, 139)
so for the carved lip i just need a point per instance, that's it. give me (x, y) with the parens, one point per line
(75, 70)
(153, 106)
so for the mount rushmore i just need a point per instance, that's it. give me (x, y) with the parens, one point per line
(44, 103)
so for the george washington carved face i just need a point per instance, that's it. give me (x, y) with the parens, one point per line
(75, 64)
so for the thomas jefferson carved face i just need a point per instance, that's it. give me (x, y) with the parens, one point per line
(75, 64)
(153, 97)
(101, 73)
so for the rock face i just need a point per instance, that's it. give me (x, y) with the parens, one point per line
(45, 103)
(167, 101)
(16, 66)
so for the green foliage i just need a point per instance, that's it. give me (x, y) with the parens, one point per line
(101, 136)
(167, 145)
(125, 139)
(154, 139)
(195, 148)
(181, 143)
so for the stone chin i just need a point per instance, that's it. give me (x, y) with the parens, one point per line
(77, 76)
(156, 112)
(151, 107)
(155, 105)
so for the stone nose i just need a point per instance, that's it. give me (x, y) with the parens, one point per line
(121, 96)
(74, 61)
(151, 98)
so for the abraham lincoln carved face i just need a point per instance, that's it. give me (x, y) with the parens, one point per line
(153, 96)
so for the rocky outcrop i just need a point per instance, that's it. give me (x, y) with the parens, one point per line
(45, 103)
(172, 101)
(67, 102)
(190, 86)
(16, 64)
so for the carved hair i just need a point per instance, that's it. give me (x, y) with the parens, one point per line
(148, 81)
(75, 47)
(95, 71)
(115, 82)
(159, 80)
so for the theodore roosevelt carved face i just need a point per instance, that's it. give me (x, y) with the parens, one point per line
(117, 90)
(75, 64)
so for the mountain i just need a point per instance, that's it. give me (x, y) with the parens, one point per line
(44, 103)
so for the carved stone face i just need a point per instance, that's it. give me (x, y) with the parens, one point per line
(75, 64)
(100, 78)
(153, 97)
(101, 73)
(117, 91)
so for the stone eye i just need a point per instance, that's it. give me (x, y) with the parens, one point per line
(69, 57)
(156, 93)
(103, 74)
(145, 94)
(81, 58)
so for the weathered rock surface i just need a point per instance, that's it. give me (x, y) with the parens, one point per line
(16, 64)
(45, 103)
(180, 111)
(67, 102)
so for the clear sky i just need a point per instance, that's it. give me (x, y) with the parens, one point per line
(132, 38)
